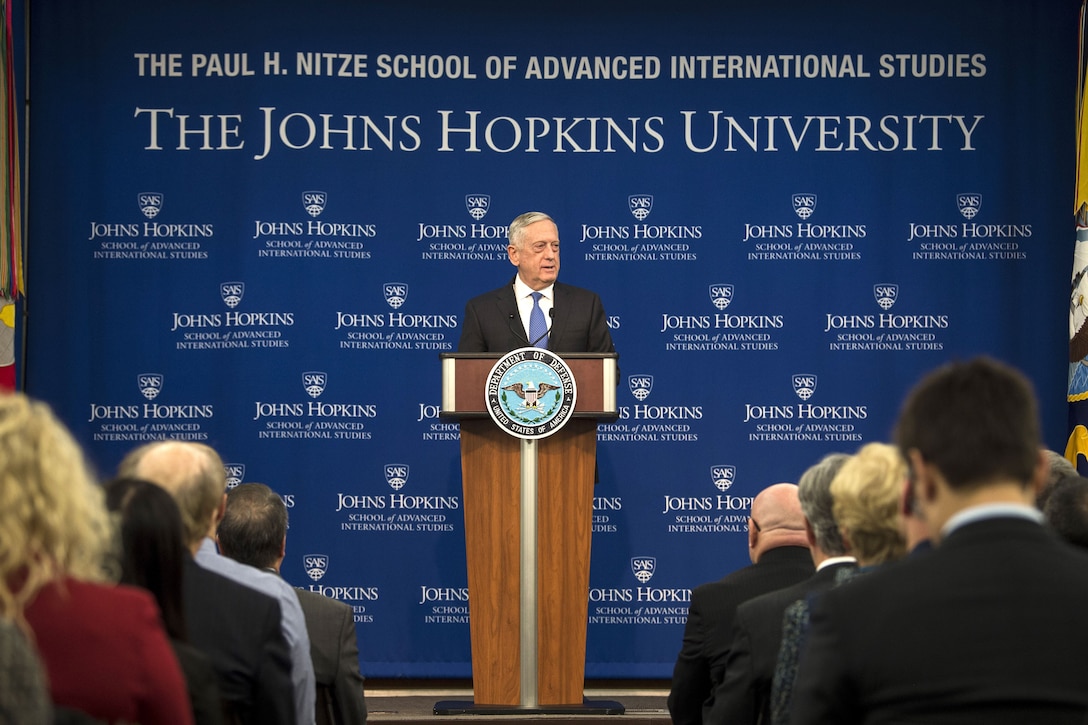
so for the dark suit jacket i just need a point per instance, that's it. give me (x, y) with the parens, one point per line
(200, 681)
(493, 324)
(709, 629)
(744, 695)
(335, 653)
(238, 628)
(989, 627)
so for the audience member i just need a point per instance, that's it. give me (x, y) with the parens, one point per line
(24, 697)
(744, 695)
(153, 557)
(238, 628)
(987, 627)
(103, 647)
(780, 557)
(1066, 509)
(1060, 468)
(254, 532)
(866, 503)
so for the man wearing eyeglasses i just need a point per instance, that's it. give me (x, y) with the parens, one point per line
(778, 549)
(533, 309)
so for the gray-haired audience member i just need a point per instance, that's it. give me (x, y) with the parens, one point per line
(1066, 509)
(744, 695)
(254, 532)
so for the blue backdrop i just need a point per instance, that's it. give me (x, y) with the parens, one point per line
(255, 224)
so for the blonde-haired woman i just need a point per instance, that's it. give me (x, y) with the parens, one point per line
(866, 493)
(103, 646)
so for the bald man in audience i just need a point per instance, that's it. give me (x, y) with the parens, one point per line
(778, 549)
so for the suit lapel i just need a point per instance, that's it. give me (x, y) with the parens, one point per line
(508, 310)
(561, 308)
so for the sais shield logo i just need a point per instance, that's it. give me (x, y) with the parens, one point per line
(236, 473)
(886, 295)
(643, 568)
(396, 475)
(150, 203)
(804, 385)
(396, 293)
(640, 386)
(314, 202)
(721, 295)
(232, 292)
(969, 204)
(315, 565)
(314, 382)
(150, 384)
(640, 205)
(723, 476)
(477, 205)
(804, 205)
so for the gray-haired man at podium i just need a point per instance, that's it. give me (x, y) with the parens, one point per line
(567, 318)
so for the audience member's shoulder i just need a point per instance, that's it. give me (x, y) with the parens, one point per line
(314, 600)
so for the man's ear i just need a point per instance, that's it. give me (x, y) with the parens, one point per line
(923, 482)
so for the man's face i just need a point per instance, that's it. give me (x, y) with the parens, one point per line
(537, 258)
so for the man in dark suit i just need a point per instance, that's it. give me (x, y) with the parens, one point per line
(780, 557)
(989, 626)
(254, 532)
(572, 318)
(744, 695)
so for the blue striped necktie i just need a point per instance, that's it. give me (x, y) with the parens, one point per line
(538, 326)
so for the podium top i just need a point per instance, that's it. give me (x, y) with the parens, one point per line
(464, 382)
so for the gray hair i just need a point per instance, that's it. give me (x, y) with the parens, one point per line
(814, 490)
(513, 233)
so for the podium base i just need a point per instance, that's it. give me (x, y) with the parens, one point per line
(588, 707)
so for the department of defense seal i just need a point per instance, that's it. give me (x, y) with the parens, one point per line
(530, 392)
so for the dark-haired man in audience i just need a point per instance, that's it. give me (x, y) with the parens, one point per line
(744, 696)
(779, 552)
(254, 532)
(988, 627)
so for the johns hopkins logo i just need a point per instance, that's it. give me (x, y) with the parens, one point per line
(723, 476)
(530, 392)
(314, 202)
(721, 295)
(236, 473)
(477, 205)
(232, 292)
(395, 293)
(804, 385)
(969, 204)
(315, 565)
(640, 386)
(804, 205)
(885, 295)
(314, 382)
(150, 203)
(150, 384)
(643, 568)
(640, 205)
(396, 475)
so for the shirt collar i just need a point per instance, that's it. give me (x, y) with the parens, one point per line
(522, 290)
(991, 511)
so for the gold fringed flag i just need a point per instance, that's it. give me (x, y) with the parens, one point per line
(11, 237)
(1077, 447)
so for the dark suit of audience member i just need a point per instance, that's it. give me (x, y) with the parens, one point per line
(780, 556)
(744, 695)
(498, 321)
(335, 653)
(989, 626)
(254, 532)
(869, 507)
(24, 697)
(238, 628)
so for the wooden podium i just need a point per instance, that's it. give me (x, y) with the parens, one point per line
(528, 508)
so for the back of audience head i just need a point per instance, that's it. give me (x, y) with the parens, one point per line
(866, 492)
(194, 475)
(776, 520)
(153, 547)
(1066, 509)
(52, 518)
(814, 493)
(1060, 468)
(254, 526)
(977, 422)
